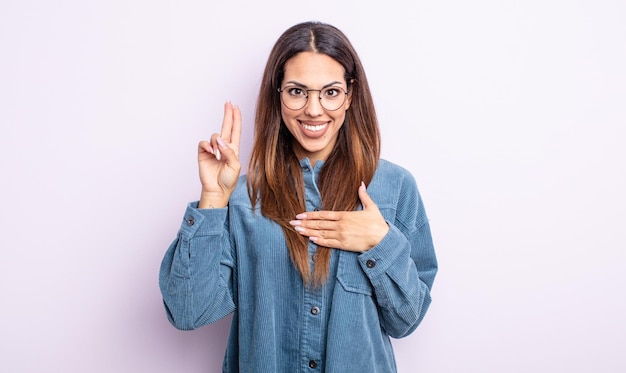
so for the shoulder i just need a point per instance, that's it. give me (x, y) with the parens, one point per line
(389, 169)
(392, 177)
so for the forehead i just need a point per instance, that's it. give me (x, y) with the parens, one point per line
(312, 69)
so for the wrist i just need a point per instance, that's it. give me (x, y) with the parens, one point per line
(382, 232)
(210, 200)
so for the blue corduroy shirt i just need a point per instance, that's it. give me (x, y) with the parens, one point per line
(234, 260)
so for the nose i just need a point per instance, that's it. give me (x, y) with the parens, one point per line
(313, 105)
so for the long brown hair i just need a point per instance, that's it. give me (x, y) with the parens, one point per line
(275, 175)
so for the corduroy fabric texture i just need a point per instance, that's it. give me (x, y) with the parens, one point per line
(233, 260)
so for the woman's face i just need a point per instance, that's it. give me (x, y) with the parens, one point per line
(314, 128)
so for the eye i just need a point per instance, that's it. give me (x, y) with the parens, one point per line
(296, 92)
(332, 93)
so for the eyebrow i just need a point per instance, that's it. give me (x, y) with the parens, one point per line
(305, 86)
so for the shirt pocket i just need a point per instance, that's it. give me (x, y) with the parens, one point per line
(350, 274)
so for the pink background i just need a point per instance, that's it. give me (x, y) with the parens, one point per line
(511, 115)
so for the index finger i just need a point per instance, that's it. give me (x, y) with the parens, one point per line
(319, 215)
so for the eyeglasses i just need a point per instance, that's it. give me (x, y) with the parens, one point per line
(295, 98)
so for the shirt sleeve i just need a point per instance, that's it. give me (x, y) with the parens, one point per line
(196, 273)
(402, 267)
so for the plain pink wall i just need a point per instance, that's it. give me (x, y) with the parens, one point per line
(511, 116)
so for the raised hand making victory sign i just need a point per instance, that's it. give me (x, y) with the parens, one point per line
(218, 161)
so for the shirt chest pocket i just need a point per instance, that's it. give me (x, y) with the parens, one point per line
(350, 274)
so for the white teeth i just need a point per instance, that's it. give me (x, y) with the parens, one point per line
(313, 128)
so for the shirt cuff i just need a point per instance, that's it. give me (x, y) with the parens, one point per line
(203, 222)
(378, 259)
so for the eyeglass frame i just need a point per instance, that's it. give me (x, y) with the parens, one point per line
(345, 91)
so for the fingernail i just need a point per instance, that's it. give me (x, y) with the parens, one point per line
(221, 142)
(313, 239)
(299, 229)
(218, 156)
(295, 222)
(301, 216)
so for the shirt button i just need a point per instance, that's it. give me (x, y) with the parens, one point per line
(370, 263)
(191, 221)
(316, 209)
(315, 310)
(312, 364)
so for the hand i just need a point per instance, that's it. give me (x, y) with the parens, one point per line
(346, 230)
(218, 161)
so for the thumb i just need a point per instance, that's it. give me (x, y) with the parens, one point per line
(365, 198)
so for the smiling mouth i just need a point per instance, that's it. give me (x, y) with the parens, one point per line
(314, 128)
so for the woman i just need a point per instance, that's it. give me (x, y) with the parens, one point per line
(318, 270)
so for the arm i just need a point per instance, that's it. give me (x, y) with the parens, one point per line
(405, 265)
(402, 268)
(196, 273)
(197, 269)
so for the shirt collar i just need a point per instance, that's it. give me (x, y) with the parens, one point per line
(305, 163)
